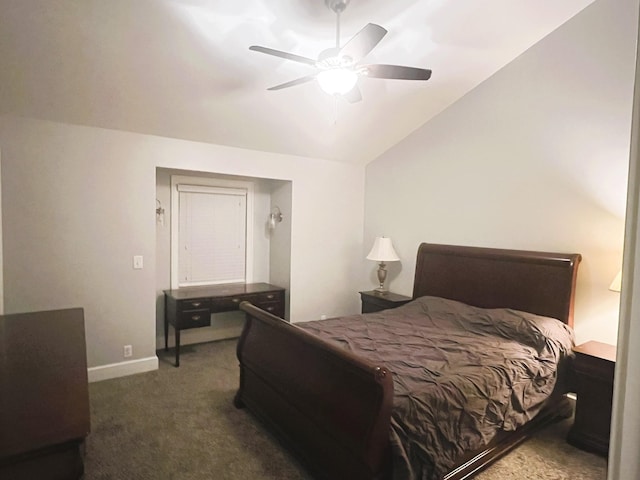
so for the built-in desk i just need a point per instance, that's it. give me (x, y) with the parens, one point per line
(192, 307)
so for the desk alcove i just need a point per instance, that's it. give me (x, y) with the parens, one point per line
(269, 261)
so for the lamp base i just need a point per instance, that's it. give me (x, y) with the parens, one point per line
(382, 276)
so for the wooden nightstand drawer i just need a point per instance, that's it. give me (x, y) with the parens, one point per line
(374, 301)
(592, 372)
(593, 367)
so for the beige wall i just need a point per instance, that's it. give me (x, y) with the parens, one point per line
(79, 202)
(534, 158)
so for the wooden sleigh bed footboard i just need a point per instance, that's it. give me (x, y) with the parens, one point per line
(330, 407)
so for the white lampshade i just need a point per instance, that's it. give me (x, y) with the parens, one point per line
(382, 251)
(337, 80)
(616, 285)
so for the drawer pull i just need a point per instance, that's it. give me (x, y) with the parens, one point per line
(235, 300)
(195, 318)
(196, 304)
(271, 296)
(270, 309)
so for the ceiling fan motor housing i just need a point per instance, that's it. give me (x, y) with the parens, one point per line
(337, 6)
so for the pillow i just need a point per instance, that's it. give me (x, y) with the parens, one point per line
(527, 328)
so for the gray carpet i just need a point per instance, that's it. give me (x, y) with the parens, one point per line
(180, 423)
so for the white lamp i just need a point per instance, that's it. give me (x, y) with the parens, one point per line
(616, 285)
(382, 251)
(337, 81)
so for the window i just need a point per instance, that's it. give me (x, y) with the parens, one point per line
(210, 231)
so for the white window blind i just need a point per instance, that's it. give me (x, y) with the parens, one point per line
(211, 235)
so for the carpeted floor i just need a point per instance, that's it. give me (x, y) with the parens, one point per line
(180, 423)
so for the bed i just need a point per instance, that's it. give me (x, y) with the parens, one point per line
(333, 405)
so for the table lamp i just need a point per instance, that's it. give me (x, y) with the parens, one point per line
(382, 251)
(616, 285)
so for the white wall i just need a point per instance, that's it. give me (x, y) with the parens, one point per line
(79, 202)
(280, 251)
(534, 158)
(624, 462)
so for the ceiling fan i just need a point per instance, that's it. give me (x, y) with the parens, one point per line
(338, 68)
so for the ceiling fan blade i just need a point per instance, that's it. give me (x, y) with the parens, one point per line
(293, 83)
(396, 72)
(363, 42)
(285, 55)
(353, 95)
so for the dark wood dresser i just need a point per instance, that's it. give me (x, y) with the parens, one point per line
(192, 307)
(44, 395)
(593, 371)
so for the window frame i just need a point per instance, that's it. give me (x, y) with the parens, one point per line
(210, 182)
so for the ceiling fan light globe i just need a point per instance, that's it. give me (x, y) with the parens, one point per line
(337, 81)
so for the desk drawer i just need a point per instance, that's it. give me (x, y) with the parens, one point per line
(193, 304)
(272, 302)
(226, 304)
(194, 319)
(269, 297)
(276, 308)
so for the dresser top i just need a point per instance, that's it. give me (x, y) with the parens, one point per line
(221, 290)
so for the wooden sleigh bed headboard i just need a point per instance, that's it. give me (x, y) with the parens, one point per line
(536, 282)
(333, 409)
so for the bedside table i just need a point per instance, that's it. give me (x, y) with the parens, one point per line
(373, 301)
(593, 370)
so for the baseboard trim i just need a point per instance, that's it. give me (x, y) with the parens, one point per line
(122, 369)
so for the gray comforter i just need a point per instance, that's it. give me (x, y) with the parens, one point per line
(461, 374)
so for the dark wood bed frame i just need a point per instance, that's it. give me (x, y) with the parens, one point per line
(332, 409)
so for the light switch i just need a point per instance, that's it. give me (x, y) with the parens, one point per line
(137, 262)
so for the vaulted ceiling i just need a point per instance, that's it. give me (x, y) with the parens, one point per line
(183, 69)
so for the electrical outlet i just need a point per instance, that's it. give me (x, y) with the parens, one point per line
(128, 351)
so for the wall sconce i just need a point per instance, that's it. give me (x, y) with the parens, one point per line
(275, 217)
(382, 251)
(159, 213)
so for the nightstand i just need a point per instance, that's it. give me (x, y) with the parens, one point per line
(373, 301)
(593, 371)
